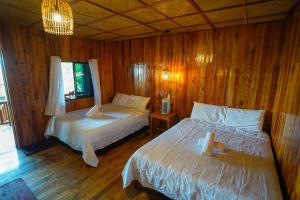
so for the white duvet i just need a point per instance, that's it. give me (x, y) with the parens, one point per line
(88, 134)
(173, 165)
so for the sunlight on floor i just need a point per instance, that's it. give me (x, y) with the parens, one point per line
(8, 153)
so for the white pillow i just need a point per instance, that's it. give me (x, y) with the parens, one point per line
(138, 102)
(121, 99)
(209, 113)
(251, 120)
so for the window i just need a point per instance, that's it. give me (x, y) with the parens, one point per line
(77, 80)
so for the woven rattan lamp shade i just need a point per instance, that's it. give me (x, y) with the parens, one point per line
(57, 17)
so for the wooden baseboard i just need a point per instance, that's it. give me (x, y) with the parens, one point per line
(39, 146)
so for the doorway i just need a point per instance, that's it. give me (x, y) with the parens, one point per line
(9, 158)
(7, 140)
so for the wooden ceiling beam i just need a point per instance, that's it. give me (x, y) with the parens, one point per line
(163, 14)
(112, 31)
(243, 6)
(131, 36)
(237, 5)
(74, 2)
(103, 31)
(202, 13)
(97, 20)
(121, 14)
(245, 11)
(270, 15)
(151, 5)
(158, 20)
(294, 6)
(20, 9)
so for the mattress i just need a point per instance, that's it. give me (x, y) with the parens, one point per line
(173, 165)
(90, 134)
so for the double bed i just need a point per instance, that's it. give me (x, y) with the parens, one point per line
(173, 165)
(88, 134)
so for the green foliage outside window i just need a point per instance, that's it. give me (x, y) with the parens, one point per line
(79, 79)
(81, 75)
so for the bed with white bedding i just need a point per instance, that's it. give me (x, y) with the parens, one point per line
(88, 134)
(173, 165)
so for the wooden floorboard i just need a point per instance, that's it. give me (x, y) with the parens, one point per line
(60, 173)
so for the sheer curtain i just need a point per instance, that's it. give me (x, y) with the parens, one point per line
(96, 81)
(56, 99)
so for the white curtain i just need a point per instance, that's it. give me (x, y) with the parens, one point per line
(96, 81)
(56, 99)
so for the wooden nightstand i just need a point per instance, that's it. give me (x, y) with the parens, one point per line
(169, 120)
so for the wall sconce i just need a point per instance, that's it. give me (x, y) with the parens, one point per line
(177, 76)
(165, 75)
(202, 58)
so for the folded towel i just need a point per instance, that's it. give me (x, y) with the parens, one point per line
(94, 112)
(208, 144)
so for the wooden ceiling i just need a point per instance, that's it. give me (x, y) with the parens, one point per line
(127, 19)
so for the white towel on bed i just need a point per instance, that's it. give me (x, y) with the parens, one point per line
(208, 144)
(94, 112)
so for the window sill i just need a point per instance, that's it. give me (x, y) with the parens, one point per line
(85, 97)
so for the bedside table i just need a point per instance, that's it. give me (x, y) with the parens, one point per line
(169, 120)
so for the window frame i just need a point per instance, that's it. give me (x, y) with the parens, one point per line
(74, 77)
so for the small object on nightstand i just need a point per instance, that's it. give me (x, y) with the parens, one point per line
(170, 119)
(165, 106)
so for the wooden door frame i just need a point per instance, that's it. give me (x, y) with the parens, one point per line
(10, 108)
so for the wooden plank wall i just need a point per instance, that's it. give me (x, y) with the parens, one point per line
(286, 119)
(254, 66)
(78, 104)
(244, 67)
(236, 66)
(27, 56)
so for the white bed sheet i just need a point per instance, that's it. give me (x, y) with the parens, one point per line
(172, 164)
(90, 134)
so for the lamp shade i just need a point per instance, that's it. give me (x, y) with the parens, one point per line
(57, 17)
(165, 75)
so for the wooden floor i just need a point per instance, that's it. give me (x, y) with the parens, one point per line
(60, 173)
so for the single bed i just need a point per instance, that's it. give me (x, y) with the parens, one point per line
(88, 134)
(173, 165)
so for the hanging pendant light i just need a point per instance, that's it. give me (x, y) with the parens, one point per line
(57, 17)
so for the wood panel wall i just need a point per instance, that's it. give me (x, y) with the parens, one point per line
(27, 57)
(237, 67)
(78, 104)
(254, 67)
(286, 119)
